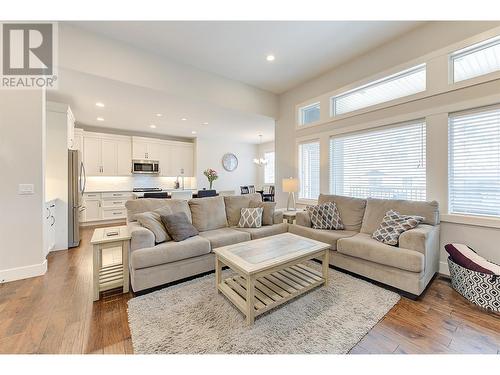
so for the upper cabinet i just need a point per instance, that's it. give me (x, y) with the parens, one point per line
(107, 155)
(146, 148)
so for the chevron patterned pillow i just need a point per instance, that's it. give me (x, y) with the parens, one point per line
(325, 216)
(251, 217)
(392, 225)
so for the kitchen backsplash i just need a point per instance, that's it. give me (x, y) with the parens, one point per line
(103, 183)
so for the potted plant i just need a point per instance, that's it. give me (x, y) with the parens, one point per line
(211, 176)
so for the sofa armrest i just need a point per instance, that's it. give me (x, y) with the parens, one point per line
(424, 239)
(302, 218)
(278, 217)
(140, 237)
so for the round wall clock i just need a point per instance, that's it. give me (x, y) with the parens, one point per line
(229, 162)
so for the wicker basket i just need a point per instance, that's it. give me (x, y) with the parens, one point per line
(479, 288)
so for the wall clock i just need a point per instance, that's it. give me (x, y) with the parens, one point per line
(229, 162)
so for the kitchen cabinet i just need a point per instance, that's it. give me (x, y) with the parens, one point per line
(50, 226)
(92, 210)
(107, 155)
(146, 148)
(181, 159)
(70, 119)
(105, 206)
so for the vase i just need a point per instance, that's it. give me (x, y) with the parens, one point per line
(211, 182)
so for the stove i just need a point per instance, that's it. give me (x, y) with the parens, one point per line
(145, 190)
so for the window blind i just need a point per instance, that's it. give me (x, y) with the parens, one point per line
(474, 163)
(385, 163)
(269, 168)
(398, 85)
(309, 170)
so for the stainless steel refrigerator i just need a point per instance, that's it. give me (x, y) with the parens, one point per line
(76, 188)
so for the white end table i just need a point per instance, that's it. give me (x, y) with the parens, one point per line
(115, 275)
(289, 216)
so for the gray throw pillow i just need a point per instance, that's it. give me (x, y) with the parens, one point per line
(268, 211)
(152, 221)
(325, 216)
(178, 226)
(392, 225)
(251, 218)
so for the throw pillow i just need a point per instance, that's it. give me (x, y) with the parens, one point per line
(392, 225)
(267, 213)
(325, 216)
(464, 256)
(178, 226)
(152, 221)
(251, 217)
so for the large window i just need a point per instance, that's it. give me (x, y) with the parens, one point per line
(309, 170)
(474, 163)
(385, 163)
(269, 168)
(396, 86)
(476, 60)
(309, 114)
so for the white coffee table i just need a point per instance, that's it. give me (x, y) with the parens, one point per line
(269, 271)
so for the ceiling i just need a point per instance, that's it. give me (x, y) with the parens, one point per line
(134, 108)
(238, 49)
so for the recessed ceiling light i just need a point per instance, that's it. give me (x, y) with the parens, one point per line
(100, 119)
(99, 104)
(193, 132)
(159, 115)
(183, 119)
(270, 57)
(152, 126)
(205, 123)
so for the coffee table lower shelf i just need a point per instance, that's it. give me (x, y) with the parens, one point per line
(273, 289)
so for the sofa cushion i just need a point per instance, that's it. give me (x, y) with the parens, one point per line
(364, 247)
(328, 236)
(235, 203)
(376, 209)
(268, 211)
(351, 210)
(169, 252)
(152, 221)
(392, 225)
(137, 206)
(225, 236)
(208, 213)
(325, 216)
(178, 226)
(251, 217)
(265, 231)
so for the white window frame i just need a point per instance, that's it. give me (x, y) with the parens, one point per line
(389, 78)
(478, 46)
(299, 173)
(301, 114)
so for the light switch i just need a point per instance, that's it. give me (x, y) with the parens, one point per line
(26, 189)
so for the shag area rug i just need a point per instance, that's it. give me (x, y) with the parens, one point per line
(193, 318)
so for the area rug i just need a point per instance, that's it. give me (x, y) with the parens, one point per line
(193, 318)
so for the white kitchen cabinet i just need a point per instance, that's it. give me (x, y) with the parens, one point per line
(50, 226)
(181, 159)
(105, 206)
(107, 155)
(92, 210)
(146, 148)
(71, 129)
(139, 149)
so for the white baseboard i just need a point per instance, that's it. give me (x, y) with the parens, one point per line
(443, 268)
(20, 273)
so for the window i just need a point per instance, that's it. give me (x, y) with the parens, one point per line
(474, 163)
(269, 168)
(401, 84)
(309, 170)
(384, 163)
(309, 114)
(476, 60)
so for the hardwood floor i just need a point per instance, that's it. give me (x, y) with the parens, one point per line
(54, 313)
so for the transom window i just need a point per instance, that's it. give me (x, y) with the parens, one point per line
(474, 162)
(309, 170)
(386, 163)
(407, 82)
(269, 167)
(309, 114)
(476, 60)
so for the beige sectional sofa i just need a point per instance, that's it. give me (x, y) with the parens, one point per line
(408, 267)
(216, 219)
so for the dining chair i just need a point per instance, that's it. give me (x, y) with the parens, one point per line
(244, 190)
(251, 188)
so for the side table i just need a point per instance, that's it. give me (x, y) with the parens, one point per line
(115, 275)
(289, 216)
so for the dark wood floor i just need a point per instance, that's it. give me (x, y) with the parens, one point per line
(54, 313)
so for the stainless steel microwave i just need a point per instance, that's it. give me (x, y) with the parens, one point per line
(145, 166)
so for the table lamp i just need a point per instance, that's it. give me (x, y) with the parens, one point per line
(291, 186)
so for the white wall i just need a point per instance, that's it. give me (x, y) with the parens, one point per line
(412, 46)
(22, 133)
(209, 154)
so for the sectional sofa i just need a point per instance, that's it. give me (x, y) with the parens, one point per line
(408, 267)
(216, 218)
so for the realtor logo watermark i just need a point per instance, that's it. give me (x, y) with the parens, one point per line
(29, 52)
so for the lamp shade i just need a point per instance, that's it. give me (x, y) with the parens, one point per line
(290, 185)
